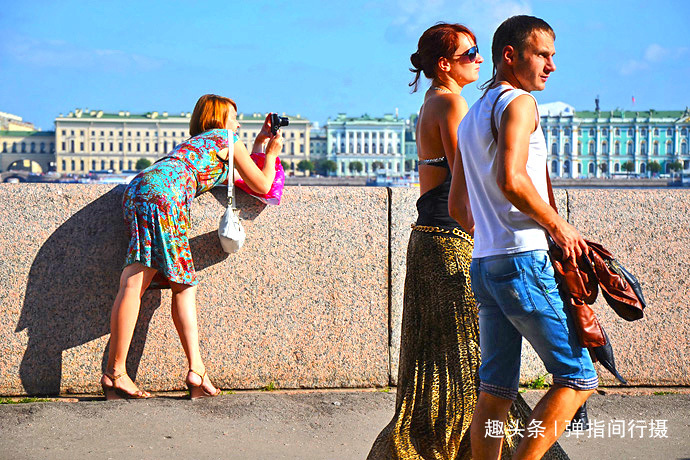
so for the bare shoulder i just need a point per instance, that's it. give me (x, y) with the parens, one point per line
(521, 109)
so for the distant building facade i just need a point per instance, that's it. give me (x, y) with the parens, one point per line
(23, 147)
(372, 143)
(96, 141)
(606, 143)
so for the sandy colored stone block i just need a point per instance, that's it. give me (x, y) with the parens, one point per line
(303, 304)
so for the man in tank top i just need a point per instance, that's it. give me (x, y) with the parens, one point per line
(504, 166)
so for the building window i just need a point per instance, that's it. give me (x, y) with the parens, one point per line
(684, 148)
(669, 147)
(579, 168)
(129, 146)
(147, 146)
(566, 148)
(4, 147)
(301, 148)
(629, 148)
(102, 164)
(93, 165)
(102, 146)
(590, 148)
(23, 147)
(566, 167)
(605, 147)
(33, 147)
(121, 165)
(592, 132)
(81, 146)
(643, 168)
(93, 147)
(43, 147)
(64, 165)
(669, 132)
(591, 167)
(643, 131)
(656, 147)
(656, 131)
(554, 148)
(617, 148)
(643, 147)
(617, 132)
(566, 131)
(554, 167)
(604, 132)
(684, 131)
(73, 164)
(616, 167)
(112, 164)
(554, 132)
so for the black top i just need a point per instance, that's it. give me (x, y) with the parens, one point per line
(433, 205)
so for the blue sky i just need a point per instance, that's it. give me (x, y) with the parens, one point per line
(317, 58)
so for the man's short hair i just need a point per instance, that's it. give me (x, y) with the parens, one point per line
(514, 31)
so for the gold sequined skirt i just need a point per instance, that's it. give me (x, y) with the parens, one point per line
(439, 355)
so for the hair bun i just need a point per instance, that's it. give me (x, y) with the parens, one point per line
(416, 60)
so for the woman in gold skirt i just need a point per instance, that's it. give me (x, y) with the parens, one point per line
(439, 350)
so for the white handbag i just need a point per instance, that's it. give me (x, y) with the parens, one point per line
(230, 230)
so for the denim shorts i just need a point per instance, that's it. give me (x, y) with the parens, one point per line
(518, 296)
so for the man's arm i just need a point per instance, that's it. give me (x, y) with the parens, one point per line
(517, 123)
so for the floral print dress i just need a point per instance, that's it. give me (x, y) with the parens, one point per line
(157, 205)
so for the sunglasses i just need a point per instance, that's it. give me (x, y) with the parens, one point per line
(470, 53)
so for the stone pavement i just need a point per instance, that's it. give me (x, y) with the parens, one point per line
(327, 424)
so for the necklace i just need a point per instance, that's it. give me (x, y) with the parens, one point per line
(441, 89)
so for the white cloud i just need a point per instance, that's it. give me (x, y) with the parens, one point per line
(61, 54)
(413, 17)
(656, 53)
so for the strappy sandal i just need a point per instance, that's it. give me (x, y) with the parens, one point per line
(198, 391)
(112, 392)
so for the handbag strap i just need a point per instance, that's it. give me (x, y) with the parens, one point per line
(231, 173)
(494, 131)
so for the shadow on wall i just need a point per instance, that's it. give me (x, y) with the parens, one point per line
(72, 283)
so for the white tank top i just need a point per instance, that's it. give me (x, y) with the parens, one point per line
(500, 228)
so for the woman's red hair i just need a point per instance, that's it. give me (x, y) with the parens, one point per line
(436, 42)
(210, 112)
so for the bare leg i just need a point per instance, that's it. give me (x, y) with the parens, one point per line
(185, 319)
(489, 407)
(554, 410)
(134, 280)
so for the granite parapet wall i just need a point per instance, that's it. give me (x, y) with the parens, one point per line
(313, 300)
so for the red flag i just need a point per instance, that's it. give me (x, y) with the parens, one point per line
(633, 99)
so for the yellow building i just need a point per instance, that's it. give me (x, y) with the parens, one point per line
(91, 140)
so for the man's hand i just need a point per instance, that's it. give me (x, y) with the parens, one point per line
(569, 239)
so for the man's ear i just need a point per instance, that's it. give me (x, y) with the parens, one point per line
(509, 55)
(443, 64)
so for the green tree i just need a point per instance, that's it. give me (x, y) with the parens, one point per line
(654, 167)
(676, 166)
(142, 163)
(325, 167)
(305, 165)
(628, 166)
(377, 165)
(356, 166)
(285, 165)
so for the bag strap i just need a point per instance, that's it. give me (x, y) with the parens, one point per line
(231, 172)
(494, 130)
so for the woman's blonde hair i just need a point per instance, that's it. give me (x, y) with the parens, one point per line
(210, 112)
